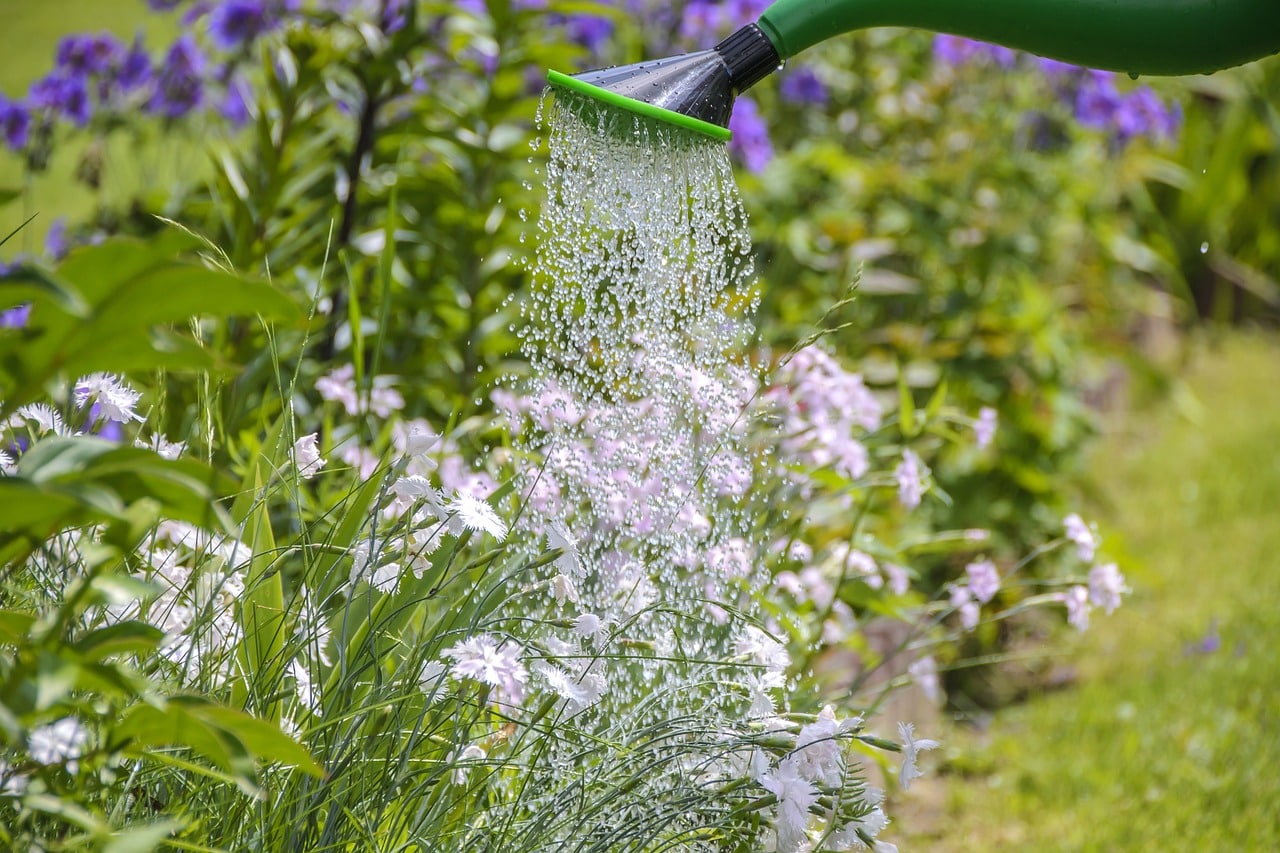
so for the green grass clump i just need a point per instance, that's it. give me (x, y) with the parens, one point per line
(1169, 741)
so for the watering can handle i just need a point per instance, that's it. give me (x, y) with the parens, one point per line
(1165, 37)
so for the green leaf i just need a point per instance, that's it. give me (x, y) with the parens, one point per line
(264, 739)
(229, 738)
(141, 839)
(63, 480)
(107, 308)
(132, 637)
(14, 625)
(906, 406)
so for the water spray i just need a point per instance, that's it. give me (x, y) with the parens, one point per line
(1152, 37)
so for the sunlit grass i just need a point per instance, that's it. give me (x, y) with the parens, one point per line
(1169, 740)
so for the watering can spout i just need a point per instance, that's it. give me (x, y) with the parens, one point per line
(1162, 37)
(692, 90)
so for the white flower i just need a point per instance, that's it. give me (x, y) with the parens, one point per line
(11, 784)
(1079, 533)
(473, 752)
(578, 693)
(984, 580)
(481, 658)
(817, 753)
(925, 674)
(305, 688)
(363, 559)
(795, 795)
(339, 386)
(363, 460)
(963, 601)
(984, 428)
(1106, 585)
(910, 747)
(44, 416)
(115, 399)
(562, 589)
(762, 649)
(589, 626)
(420, 439)
(871, 824)
(758, 687)
(407, 491)
(746, 764)
(558, 537)
(312, 629)
(473, 513)
(7, 464)
(162, 446)
(911, 474)
(58, 742)
(430, 676)
(899, 580)
(1077, 601)
(306, 456)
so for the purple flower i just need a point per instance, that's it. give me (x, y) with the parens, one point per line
(954, 50)
(164, 5)
(15, 123)
(1054, 68)
(802, 86)
(135, 68)
(61, 95)
(14, 318)
(750, 142)
(234, 107)
(1142, 113)
(235, 24)
(701, 21)
(1097, 100)
(394, 16)
(55, 242)
(96, 55)
(590, 31)
(179, 87)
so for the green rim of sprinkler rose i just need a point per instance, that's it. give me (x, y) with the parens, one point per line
(706, 128)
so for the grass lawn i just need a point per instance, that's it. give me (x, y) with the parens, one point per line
(1170, 741)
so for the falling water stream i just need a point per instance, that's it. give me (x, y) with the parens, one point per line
(636, 332)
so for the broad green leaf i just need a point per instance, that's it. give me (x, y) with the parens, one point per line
(14, 625)
(132, 637)
(55, 676)
(264, 740)
(106, 307)
(170, 725)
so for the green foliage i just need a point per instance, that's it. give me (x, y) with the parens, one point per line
(1208, 207)
(114, 307)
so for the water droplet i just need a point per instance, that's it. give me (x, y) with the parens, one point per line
(1204, 248)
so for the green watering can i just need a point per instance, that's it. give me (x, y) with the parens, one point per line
(1161, 37)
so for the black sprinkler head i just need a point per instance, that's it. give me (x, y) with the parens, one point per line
(693, 90)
